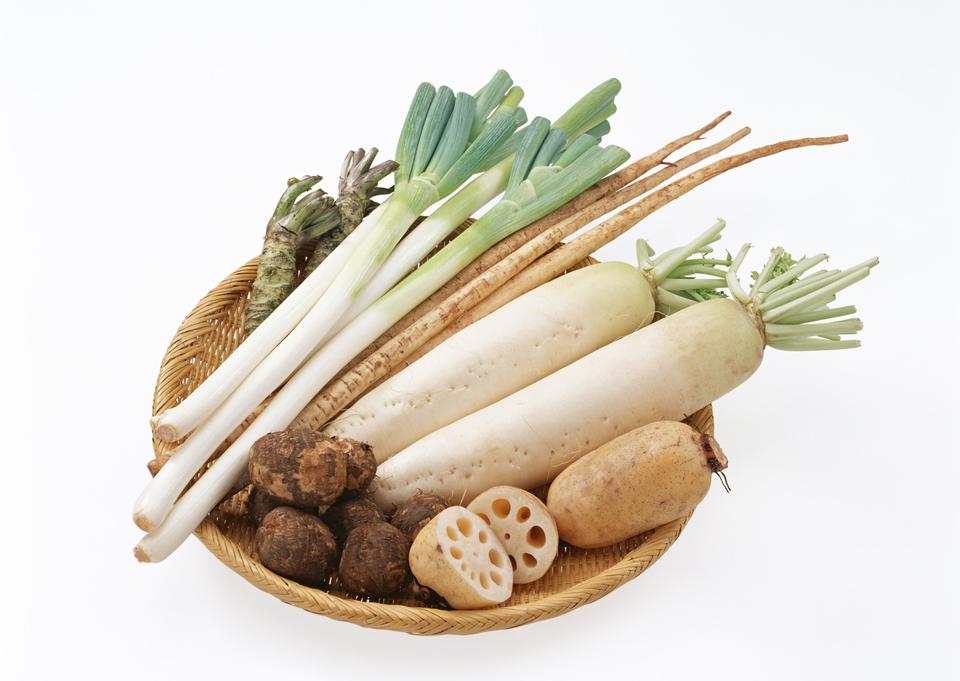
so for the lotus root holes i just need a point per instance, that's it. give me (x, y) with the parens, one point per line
(536, 537)
(500, 508)
(523, 515)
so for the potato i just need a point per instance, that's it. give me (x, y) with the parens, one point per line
(634, 483)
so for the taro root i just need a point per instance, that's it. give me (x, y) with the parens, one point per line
(259, 504)
(348, 514)
(424, 596)
(414, 515)
(296, 545)
(300, 467)
(361, 465)
(374, 560)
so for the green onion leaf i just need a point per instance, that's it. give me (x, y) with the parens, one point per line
(477, 156)
(551, 148)
(456, 136)
(600, 130)
(433, 127)
(530, 144)
(585, 114)
(576, 148)
(488, 98)
(410, 134)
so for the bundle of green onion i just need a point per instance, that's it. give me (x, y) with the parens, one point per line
(446, 139)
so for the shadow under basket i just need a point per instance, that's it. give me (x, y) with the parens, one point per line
(578, 576)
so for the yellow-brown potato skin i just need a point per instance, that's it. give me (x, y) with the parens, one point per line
(634, 483)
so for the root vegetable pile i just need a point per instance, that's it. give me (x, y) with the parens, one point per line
(406, 387)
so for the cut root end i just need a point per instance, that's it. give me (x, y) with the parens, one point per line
(716, 459)
(165, 432)
(143, 522)
(141, 555)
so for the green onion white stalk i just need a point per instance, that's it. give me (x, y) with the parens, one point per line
(435, 156)
(441, 147)
(544, 189)
(178, 421)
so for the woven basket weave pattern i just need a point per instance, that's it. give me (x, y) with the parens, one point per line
(205, 338)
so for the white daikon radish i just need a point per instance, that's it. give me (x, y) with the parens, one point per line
(525, 340)
(517, 345)
(663, 372)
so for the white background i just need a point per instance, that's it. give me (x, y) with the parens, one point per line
(142, 147)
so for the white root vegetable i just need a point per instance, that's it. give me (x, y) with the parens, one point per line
(663, 372)
(461, 559)
(519, 344)
(522, 342)
(524, 526)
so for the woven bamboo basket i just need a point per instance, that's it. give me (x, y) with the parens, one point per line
(578, 576)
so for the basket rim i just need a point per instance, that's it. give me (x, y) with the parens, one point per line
(396, 617)
(433, 621)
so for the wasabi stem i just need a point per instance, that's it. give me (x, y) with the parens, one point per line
(299, 209)
(359, 182)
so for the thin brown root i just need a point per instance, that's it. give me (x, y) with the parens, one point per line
(524, 281)
(568, 255)
(400, 347)
(491, 257)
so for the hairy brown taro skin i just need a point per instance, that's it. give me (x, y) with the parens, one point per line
(414, 515)
(297, 545)
(259, 504)
(348, 514)
(361, 464)
(300, 467)
(374, 560)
